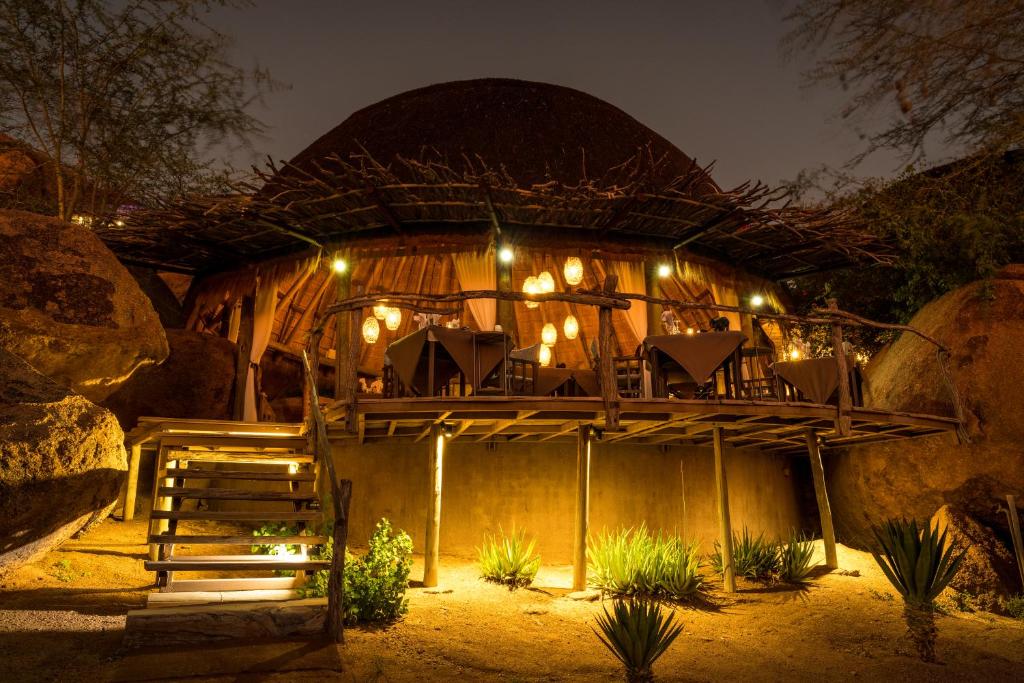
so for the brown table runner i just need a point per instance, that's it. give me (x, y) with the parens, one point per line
(698, 354)
(550, 380)
(475, 353)
(816, 378)
(586, 380)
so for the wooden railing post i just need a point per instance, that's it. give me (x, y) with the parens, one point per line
(609, 382)
(828, 534)
(432, 542)
(579, 549)
(724, 522)
(843, 424)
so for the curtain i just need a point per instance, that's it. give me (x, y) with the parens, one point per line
(263, 325)
(631, 279)
(478, 270)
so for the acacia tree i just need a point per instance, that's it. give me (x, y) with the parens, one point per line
(121, 100)
(947, 68)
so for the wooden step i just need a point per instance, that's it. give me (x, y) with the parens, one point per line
(204, 473)
(238, 540)
(246, 583)
(232, 494)
(183, 598)
(233, 516)
(240, 457)
(233, 563)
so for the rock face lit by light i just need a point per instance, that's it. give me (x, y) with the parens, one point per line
(573, 270)
(549, 335)
(393, 318)
(506, 255)
(531, 286)
(371, 330)
(545, 355)
(664, 270)
(757, 301)
(571, 327)
(380, 311)
(339, 265)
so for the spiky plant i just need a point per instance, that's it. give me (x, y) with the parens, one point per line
(919, 564)
(756, 559)
(637, 632)
(795, 558)
(509, 560)
(635, 562)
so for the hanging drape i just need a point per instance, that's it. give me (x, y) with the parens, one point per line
(631, 279)
(478, 270)
(263, 325)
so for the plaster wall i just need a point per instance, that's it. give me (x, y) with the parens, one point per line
(533, 487)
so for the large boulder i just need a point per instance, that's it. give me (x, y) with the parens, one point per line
(196, 381)
(983, 324)
(988, 571)
(62, 462)
(70, 309)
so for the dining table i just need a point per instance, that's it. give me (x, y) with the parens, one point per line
(429, 358)
(815, 378)
(566, 382)
(701, 355)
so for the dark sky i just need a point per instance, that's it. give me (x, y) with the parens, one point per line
(709, 76)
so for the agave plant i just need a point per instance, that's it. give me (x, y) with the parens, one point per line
(919, 565)
(795, 558)
(637, 632)
(509, 560)
(756, 559)
(635, 562)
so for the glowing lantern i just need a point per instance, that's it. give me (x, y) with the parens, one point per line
(573, 270)
(549, 335)
(380, 311)
(571, 327)
(531, 286)
(664, 270)
(545, 355)
(371, 330)
(546, 282)
(393, 318)
(689, 330)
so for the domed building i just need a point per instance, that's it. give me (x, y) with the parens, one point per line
(521, 286)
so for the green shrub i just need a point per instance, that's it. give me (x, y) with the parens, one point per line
(637, 632)
(795, 558)
(633, 562)
(756, 559)
(375, 583)
(509, 560)
(1015, 606)
(275, 529)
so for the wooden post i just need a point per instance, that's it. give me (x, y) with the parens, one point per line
(336, 584)
(579, 547)
(1018, 543)
(828, 533)
(242, 353)
(341, 332)
(609, 382)
(843, 425)
(432, 545)
(506, 309)
(131, 483)
(725, 527)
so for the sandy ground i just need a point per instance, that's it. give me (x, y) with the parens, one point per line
(61, 619)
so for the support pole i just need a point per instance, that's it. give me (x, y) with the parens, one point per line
(131, 483)
(579, 546)
(828, 533)
(432, 546)
(843, 425)
(336, 583)
(242, 353)
(608, 380)
(725, 527)
(506, 310)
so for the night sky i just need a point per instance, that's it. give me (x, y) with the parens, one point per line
(709, 76)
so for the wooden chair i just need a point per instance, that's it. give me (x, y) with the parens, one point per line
(629, 375)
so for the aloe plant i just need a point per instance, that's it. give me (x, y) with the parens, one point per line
(919, 564)
(795, 558)
(631, 562)
(756, 559)
(509, 560)
(637, 632)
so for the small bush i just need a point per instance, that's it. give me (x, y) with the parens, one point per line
(1015, 606)
(375, 583)
(795, 558)
(275, 529)
(637, 632)
(633, 562)
(756, 559)
(509, 560)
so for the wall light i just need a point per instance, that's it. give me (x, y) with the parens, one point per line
(757, 301)
(794, 354)
(664, 270)
(506, 255)
(339, 265)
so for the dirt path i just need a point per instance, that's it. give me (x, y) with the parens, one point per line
(61, 619)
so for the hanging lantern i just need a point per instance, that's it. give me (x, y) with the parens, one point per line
(573, 270)
(531, 286)
(546, 282)
(571, 327)
(545, 355)
(393, 318)
(380, 311)
(371, 330)
(549, 335)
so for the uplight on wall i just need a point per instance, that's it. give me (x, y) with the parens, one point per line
(545, 355)
(546, 282)
(573, 270)
(339, 265)
(371, 330)
(506, 255)
(393, 318)
(549, 335)
(571, 327)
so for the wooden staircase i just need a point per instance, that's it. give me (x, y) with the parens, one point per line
(206, 487)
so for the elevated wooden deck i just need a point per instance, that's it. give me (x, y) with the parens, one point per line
(769, 425)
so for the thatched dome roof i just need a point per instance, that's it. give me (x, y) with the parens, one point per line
(537, 131)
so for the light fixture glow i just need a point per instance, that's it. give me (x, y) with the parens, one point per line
(545, 355)
(794, 354)
(393, 318)
(339, 265)
(531, 286)
(573, 270)
(549, 335)
(380, 311)
(664, 270)
(571, 327)
(689, 330)
(506, 255)
(546, 282)
(371, 330)
(757, 301)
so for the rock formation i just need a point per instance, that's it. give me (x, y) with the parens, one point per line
(983, 324)
(70, 309)
(62, 461)
(988, 571)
